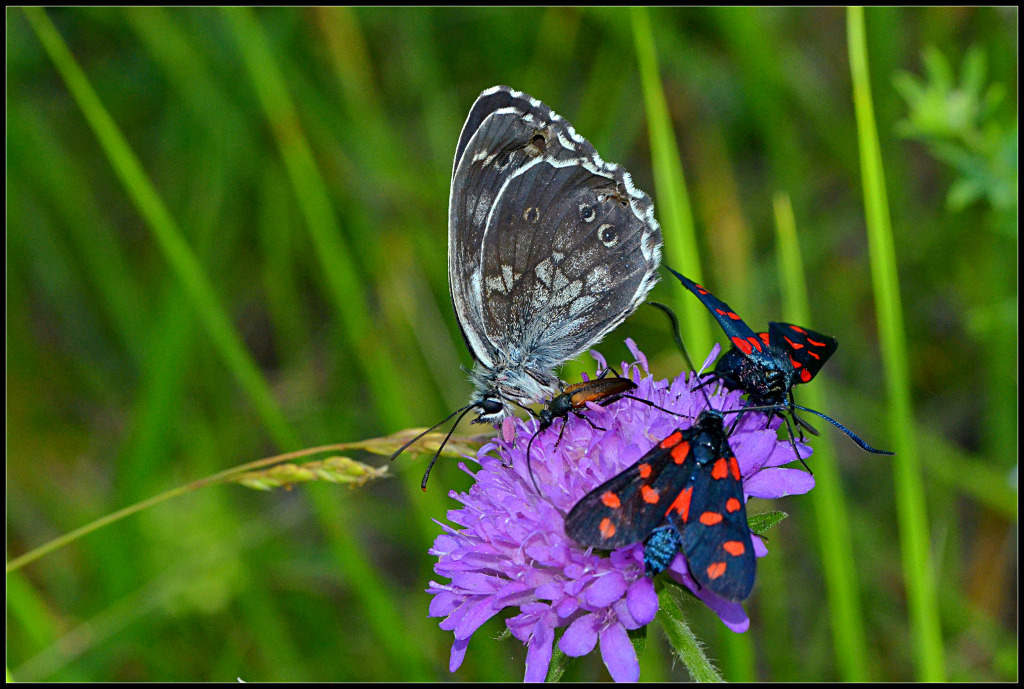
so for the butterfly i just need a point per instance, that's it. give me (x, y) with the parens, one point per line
(686, 493)
(767, 365)
(549, 249)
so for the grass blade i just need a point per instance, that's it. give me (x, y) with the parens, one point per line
(833, 519)
(910, 504)
(165, 229)
(673, 202)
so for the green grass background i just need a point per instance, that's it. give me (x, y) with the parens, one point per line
(237, 247)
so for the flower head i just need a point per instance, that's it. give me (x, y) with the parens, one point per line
(509, 547)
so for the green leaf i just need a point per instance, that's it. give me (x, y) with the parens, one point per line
(761, 523)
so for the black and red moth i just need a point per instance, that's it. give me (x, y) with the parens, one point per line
(766, 366)
(685, 493)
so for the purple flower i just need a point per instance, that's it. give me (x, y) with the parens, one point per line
(509, 548)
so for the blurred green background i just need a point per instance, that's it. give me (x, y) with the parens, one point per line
(284, 286)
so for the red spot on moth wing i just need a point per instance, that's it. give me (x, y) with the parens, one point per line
(742, 345)
(710, 518)
(607, 528)
(610, 499)
(732, 505)
(816, 343)
(798, 329)
(701, 289)
(671, 440)
(720, 470)
(682, 504)
(734, 467)
(764, 337)
(715, 570)
(814, 355)
(645, 470)
(754, 343)
(649, 495)
(794, 345)
(735, 548)
(796, 364)
(805, 375)
(680, 452)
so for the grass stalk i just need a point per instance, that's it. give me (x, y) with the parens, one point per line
(918, 573)
(673, 202)
(833, 519)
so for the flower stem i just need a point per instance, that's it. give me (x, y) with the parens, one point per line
(686, 646)
(220, 477)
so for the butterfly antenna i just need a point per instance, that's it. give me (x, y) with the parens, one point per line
(465, 410)
(404, 447)
(853, 436)
(675, 329)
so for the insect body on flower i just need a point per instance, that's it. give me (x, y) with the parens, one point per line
(550, 247)
(573, 399)
(687, 493)
(766, 366)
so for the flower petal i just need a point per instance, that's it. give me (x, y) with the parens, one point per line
(442, 604)
(474, 617)
(619, 655)
(760, 549)
(538, 654)
(642, 600)
(777, 483)
(637, 354)
(580, 637)
(711, 357)
(458, 654)
(606, 590)
(732, 614)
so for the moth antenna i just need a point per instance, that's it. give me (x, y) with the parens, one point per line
(853, 436)
(675, 329)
